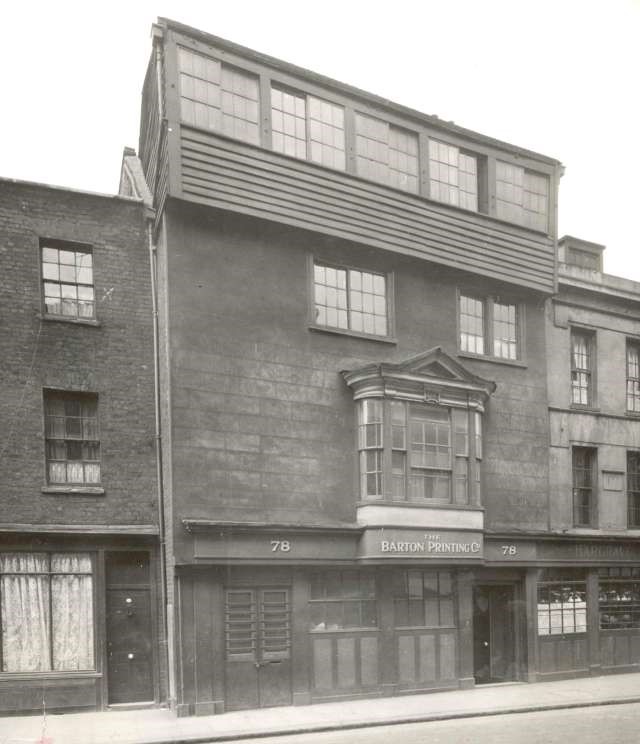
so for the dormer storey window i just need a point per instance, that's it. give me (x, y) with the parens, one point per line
(419, 430)
(308, 128)
(218, 97)
(453, 175)
(522, 196)
(386, 153)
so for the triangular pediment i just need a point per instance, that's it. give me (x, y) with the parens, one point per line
(432, 369)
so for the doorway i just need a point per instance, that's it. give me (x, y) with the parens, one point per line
(494, 633)
(129, 628)
(257, 647)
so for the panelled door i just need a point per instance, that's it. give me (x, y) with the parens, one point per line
(257, 647)
(494, 638)
(129, 632)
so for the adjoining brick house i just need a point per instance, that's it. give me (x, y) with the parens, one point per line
(80, 594)
(589, 582)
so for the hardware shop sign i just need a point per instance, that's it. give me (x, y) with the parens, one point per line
(419, 544)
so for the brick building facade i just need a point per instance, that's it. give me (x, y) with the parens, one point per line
(79, 529)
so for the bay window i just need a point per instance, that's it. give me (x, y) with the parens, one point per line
(416, 452)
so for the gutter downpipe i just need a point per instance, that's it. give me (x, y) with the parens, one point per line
(166, 607)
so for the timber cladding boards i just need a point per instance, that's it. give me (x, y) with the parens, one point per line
(204, 167)
(113, 358)
(263, 425)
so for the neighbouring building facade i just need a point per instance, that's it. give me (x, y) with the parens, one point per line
(80, 596)
(589, 601)
(355, 430)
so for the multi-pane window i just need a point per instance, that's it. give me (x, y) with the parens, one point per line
(72, 439)
(350, 299)
(370, 445)
(386, 153)
(488, 324)
(219, 97)
(423, 599)
(584, 485)
(425, 457)
(46, 602)
(581, 367)
(67, 277)
(522, 196)
(340, 600)
(307, 127)
(633, 489)
(619, 598)
(472, 324)
(453, 175)
(562, 605)
(633, 377)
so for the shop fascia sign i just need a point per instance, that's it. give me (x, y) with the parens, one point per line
(396, 542)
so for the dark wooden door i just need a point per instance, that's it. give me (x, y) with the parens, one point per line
(494, 642)
(129, 630)
(258, 647)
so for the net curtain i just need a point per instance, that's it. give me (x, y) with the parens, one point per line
(47, 612)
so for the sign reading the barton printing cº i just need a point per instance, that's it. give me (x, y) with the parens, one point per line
(396, 542)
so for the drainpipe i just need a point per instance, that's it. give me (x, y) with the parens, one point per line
(166, 610)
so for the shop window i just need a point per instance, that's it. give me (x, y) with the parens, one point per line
(307, 127)
(46, 601)
(71, 438)
(562, 604)
(633, 377)
(522, 196)
(619, 598)
(350, 300)
(218, 97)
(633, 489)
(386, 153)
(342, 600)
(584, 485)
(453, 175)
(67, 280)
(582, 365)
(489, 326)
(423, 599)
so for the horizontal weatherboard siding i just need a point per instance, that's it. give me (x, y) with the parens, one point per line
(229, 175)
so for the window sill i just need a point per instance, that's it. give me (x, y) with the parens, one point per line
(586, 409)
(32, 676)
(67, 319)
(74, 490)
(353, 334)
(493, 359)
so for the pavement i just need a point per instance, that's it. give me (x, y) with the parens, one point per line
(161, 726)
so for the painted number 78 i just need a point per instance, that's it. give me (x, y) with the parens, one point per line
(280, 546)
(509, 550)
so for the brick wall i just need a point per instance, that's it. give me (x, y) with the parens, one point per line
(113, 359)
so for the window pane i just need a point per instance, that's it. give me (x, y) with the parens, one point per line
(453, 176)
(62, 271)
(471, 325)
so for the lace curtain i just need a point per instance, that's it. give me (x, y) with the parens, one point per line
(47, 612)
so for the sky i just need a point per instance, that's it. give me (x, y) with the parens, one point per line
(560, 77)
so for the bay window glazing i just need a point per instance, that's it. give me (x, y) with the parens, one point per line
(417, 452)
